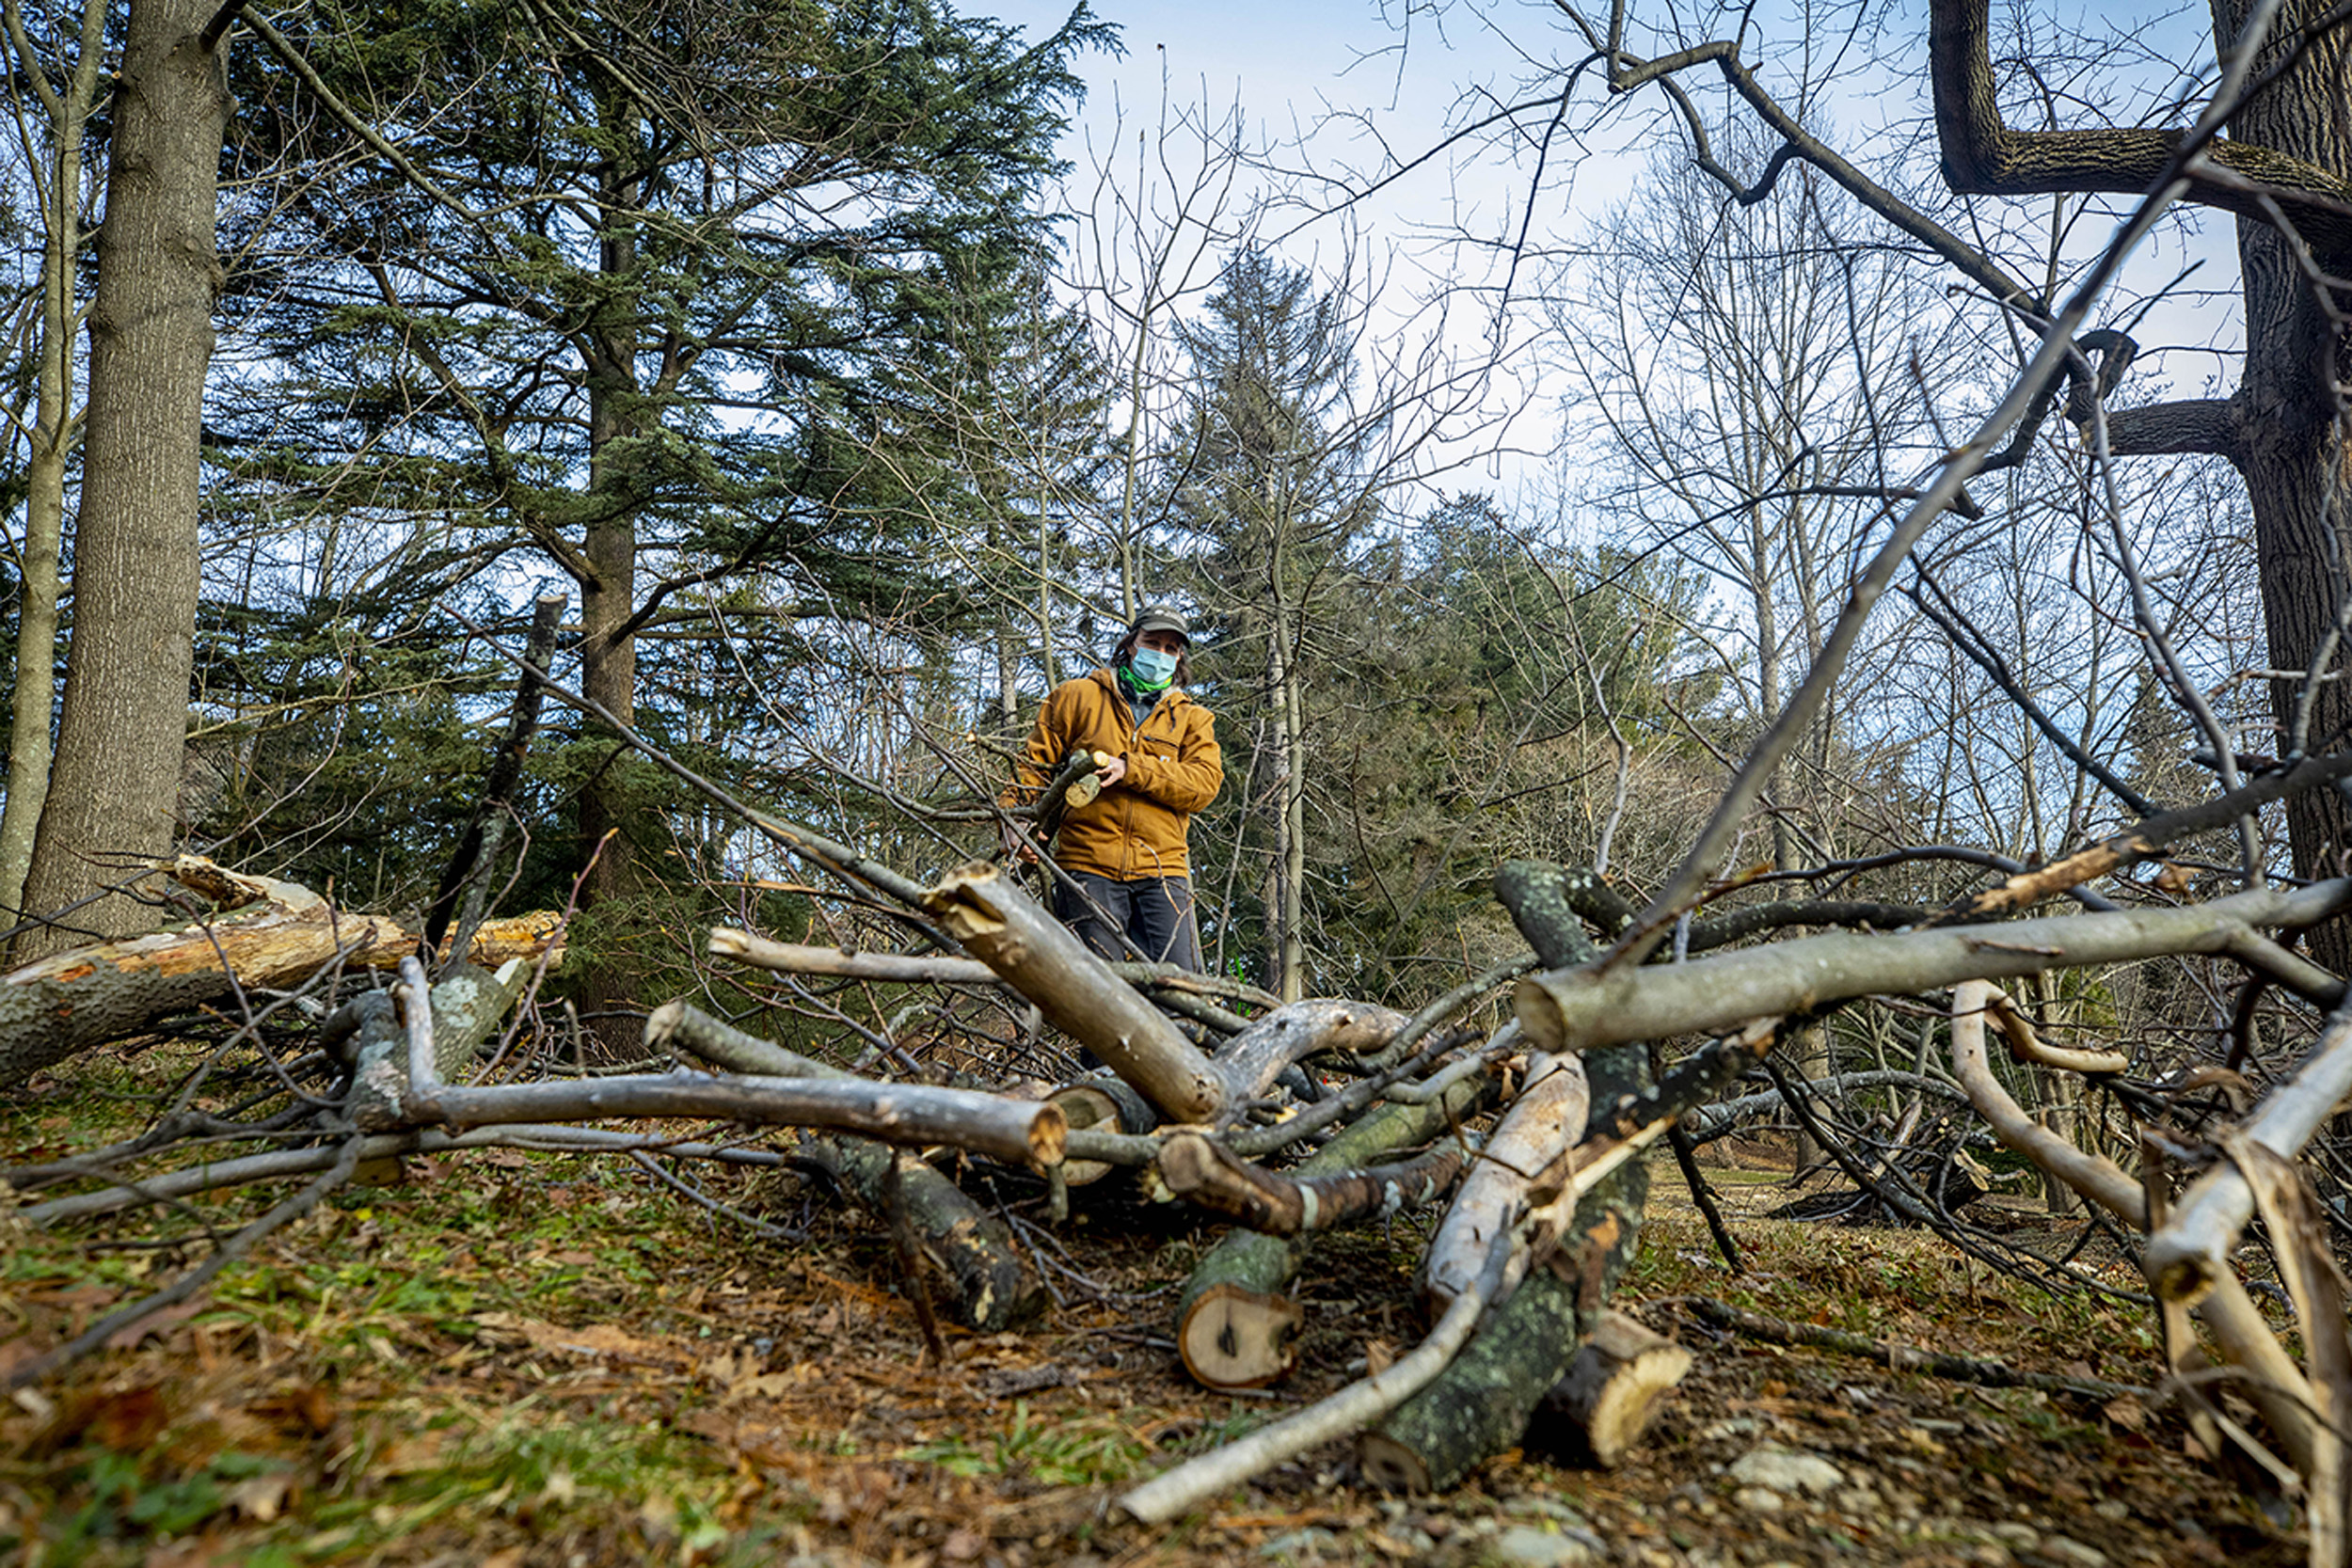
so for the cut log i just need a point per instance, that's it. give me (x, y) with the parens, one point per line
(1482, 1403)
(1106, 1105)
(1236, 1338)
(279, 936)
(1614, 1391)
(1225, 1347)
(987, 1285)
(1042, 960)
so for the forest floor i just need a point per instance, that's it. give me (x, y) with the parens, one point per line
(512, 1359)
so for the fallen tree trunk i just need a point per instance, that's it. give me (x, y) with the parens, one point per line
(1482, 1403)
(279, 936)
(467, 1004)
(1105, 1104)
(1017, 1131)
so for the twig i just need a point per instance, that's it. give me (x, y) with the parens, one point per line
(188, 1284)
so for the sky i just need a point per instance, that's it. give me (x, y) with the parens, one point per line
(1329, 89)
(1345, 85)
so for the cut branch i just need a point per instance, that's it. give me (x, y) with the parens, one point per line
(1040, 957)
(1580, 1009)
(1211, 1176)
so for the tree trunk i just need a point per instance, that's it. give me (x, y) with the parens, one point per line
(114, 789)
(608, 657)
(2292, 442)
(35, 686)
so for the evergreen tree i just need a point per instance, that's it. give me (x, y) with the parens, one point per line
(1273, 477)
(661, 298)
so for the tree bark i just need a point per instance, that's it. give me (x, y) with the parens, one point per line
(2288, 154)
(114, 788)
(66, 112)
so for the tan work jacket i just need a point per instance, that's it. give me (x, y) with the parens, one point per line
(1135, 829)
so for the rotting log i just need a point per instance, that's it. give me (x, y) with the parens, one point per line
(1042, 959)
(1235, 1328)
(1615, 1389)
(988, 1285)
(1543, 1123)
(279, 935)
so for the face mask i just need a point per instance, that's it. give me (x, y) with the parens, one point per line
(1154, 667)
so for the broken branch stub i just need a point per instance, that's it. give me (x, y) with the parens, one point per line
(1042, 960)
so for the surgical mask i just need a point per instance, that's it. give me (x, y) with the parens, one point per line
(1153, 666)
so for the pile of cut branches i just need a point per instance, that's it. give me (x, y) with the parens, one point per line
(1286, 1120)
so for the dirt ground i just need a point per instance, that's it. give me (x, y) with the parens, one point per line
(515, 1359)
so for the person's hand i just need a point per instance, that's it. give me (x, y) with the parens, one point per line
(1018, 845)
(1112, 772)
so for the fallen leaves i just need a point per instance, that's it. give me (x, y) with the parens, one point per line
(595, 1340)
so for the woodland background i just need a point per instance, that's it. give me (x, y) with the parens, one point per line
(1881, 496)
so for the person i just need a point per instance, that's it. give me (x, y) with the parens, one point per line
(1125, 853)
